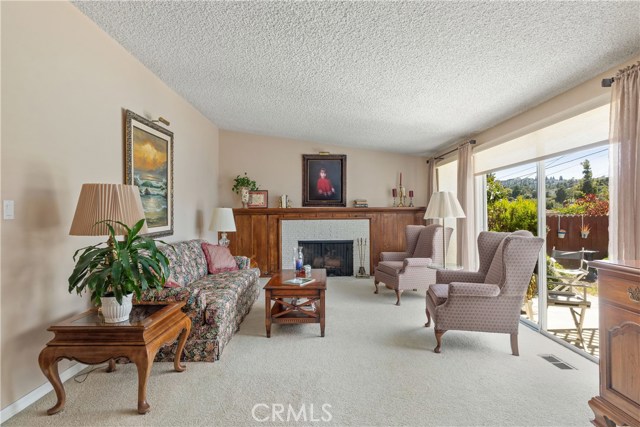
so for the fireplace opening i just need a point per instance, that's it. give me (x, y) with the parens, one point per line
(336, 256)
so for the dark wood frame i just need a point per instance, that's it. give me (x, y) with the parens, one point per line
(335, 163)
(264, 194)
(132, 119)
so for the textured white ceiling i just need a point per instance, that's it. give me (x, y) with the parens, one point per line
(408, 77)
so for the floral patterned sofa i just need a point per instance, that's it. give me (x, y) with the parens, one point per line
(216, 303)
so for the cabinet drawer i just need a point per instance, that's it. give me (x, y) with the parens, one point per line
(616, 290)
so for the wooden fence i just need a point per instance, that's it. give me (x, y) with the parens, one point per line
(597, 240)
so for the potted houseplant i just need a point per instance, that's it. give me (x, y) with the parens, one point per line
(584, 231)
(242, 185)
(561, 233)
(113, 271)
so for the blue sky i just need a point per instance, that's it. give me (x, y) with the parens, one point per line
(567, 165)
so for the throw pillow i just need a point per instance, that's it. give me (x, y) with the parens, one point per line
(219, 258)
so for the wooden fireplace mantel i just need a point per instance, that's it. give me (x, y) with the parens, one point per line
(258, 231)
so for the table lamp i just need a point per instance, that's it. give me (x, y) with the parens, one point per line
(444, 204)
(222, 221)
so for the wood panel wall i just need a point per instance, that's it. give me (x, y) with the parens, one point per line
(258, 231)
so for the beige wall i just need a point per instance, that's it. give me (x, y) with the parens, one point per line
(64, 85)
(577, 100)
(276, 165)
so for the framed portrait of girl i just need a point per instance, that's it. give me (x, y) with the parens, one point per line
(324, 180)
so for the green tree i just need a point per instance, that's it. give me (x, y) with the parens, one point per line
(512, 215)
(586, 183)
(561, 194)
(495, 190)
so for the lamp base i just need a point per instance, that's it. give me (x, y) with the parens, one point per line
(224, 241)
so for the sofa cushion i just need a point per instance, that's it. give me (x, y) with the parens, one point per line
(220, 292)
(391, 268)
(219, 258)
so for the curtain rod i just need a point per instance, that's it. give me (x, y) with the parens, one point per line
(441, 156)
(608, 82)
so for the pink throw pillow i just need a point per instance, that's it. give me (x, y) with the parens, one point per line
(171, 284)
(219, 258)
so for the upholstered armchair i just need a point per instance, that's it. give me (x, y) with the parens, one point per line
(411, 269)
(487, 300)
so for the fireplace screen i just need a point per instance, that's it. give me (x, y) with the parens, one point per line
(336, 256)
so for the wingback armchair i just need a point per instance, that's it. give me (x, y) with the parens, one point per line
(487, 300)
(411, 269)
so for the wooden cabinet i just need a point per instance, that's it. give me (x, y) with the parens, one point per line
(619, 298)
(258, 231)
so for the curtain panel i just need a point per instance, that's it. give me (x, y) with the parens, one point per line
(466, 240)
(624, 174)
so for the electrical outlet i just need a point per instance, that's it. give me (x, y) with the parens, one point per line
(7, 208)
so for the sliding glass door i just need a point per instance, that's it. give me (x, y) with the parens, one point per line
(563, 199)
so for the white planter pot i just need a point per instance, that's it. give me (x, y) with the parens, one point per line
(114, 312)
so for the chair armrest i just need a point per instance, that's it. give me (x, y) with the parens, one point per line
(473, 289)
(393, 256)
(243, 262)
(449, 276)
(417, 262)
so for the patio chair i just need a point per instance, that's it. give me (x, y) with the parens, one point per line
(568, 290)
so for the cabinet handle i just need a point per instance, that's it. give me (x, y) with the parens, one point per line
(634, 294)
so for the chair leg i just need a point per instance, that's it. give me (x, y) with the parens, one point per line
(375, 283)
(398, 293)
(428, 318)
(514, 344)
(439, 335)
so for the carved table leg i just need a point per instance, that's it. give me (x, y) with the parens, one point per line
(375, 283)
(49, 366)
(143, 362)
(112, 365)
(183, 339)
(322, 313)
(267, 319)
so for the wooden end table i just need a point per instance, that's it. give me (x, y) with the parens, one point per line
(88, 339)
(308, 300)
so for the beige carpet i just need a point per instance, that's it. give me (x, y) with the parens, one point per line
(374, 367)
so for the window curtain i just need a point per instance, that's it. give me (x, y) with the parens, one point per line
(466, 226)
(624, 174)
(432, 183)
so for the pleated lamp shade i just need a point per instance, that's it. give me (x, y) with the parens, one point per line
(444, 204)
(99, 202)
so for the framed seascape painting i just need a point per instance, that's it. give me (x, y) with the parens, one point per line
(149, 165)
(324, 180)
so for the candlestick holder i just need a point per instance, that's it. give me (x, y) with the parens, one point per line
(394, 202)
(403, 196)
(410, 202)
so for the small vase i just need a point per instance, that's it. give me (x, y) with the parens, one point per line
(114, 312)
(244, 196)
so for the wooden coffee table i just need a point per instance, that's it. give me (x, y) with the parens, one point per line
(308, 300)
(87, 339)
